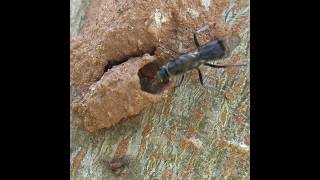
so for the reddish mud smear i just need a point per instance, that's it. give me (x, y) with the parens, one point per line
(185, 174)
(167, 174)
(146, 130)
(184, 144)
(77, 162)
(197, 115)
(172, 132)
(204, 103)
(122, 149)
(240, 118)
(191, 132)
(193, 75)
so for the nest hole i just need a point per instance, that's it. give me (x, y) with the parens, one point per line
(148, 79)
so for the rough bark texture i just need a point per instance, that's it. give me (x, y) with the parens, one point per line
(194, 133)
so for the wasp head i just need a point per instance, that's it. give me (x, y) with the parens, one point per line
(163, 75)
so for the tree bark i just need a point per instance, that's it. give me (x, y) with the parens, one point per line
(194, 133)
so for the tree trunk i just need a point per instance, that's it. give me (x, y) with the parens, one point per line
(194, 133)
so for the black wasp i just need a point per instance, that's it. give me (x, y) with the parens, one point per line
(214, 50)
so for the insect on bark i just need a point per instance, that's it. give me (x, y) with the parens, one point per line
(214, 50)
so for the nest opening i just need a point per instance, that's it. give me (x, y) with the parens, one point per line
(148, 79)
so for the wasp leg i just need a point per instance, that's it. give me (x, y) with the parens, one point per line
(196, 40)
(223, 66)
(180, 82)
(200, 77)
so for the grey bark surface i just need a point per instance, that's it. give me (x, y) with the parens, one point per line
(195, 133)
(77, 14)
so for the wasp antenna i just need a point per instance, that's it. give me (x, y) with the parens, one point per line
(223, 66)
(180, 82)
(200, 77)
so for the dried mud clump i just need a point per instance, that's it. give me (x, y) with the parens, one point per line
(122, 92)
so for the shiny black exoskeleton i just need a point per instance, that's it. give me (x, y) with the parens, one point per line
(214, 50)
